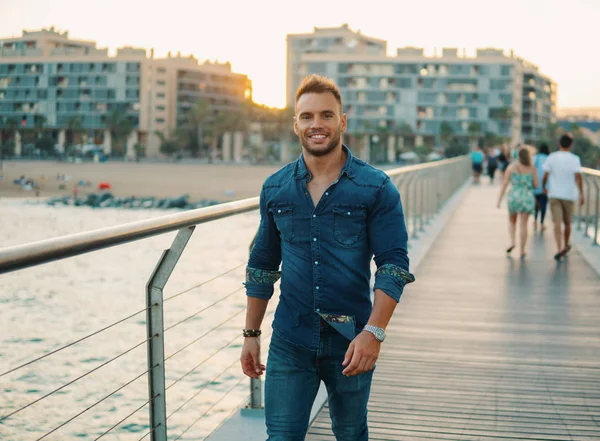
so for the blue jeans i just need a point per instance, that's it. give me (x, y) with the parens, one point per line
(292, 381)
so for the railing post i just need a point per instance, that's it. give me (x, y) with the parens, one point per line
(155, 333)
(587, 208)
(415, 201)
(255, 383)
(595, 180)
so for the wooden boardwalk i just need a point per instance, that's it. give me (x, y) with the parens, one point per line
(485, 347)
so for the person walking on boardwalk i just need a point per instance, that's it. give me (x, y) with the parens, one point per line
(562, 180)
(523, 178)
(323, 217)
(477, 158)
(541, 198)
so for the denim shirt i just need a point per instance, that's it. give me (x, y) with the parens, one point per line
(325, 251)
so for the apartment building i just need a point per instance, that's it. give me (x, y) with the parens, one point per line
(489, 92)
(46, 73)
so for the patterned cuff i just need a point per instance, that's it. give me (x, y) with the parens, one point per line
(395, 271)
(261, 276)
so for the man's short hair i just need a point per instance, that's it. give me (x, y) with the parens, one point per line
(565, 141)
(319, 84)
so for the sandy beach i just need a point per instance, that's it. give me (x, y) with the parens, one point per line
(200, 181)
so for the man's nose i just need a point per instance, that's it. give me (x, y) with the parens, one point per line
(317, 122)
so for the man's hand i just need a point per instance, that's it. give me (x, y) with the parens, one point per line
(581, 199)
(251, 357)
(545, 191)
(361, 354)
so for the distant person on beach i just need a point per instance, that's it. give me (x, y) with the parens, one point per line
(562, 180)
(323, 217)
(541, 198)
(523, 178)
(477, 158)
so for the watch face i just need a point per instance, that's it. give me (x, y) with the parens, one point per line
(379, 334)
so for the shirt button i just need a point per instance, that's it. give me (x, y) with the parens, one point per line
(314, 215)
(348, 213)
(326, 193)
(316, 262)
(318, 310)
(279, 211)
(314, 239)
(316, 287)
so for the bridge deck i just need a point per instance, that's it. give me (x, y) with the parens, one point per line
(485, 347)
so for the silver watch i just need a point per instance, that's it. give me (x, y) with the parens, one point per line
(379, 333)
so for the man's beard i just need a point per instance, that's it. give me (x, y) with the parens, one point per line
(335, 140)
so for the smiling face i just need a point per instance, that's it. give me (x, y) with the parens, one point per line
(319, 123)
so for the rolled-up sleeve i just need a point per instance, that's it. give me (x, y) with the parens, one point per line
(265, 257)
(389, 242)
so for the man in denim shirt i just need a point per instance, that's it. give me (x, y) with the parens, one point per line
(323, 218)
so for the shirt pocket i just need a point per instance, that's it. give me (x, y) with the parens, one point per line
(349, 223)
(284, 219)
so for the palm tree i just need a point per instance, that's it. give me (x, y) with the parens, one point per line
(222, 122)
(120, 128)
(192, 130)
(11, 126)
(39, 123)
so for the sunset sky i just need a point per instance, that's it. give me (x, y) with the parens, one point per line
(561, 37)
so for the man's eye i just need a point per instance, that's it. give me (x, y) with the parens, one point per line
(304, 117)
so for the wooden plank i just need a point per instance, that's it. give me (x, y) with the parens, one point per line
(485, 347)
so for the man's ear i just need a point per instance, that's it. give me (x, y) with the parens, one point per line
(295, 127)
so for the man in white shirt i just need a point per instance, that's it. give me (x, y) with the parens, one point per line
(562, 180)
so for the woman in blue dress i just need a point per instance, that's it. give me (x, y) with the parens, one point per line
(523, 178)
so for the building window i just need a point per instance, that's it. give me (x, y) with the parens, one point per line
(160, 108)
(160, 95)
(160, 83)
(160, 120)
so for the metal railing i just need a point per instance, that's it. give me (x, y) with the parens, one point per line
(587, 218)
(424, 189)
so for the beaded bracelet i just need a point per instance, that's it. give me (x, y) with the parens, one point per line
(251, 332)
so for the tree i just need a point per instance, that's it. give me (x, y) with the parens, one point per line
(491, 139)
(193, 128)
(456, 148)
(73, 129)
(7, 138)
(39, 123)
(120, 128)
(585, 148)
(474, 131)
(168, 145)
(404, 131)
(446, 133)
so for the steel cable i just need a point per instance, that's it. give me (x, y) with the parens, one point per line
(75, 342)
(157, 426)
(202, 388)
(73, 381)
(207, 384)
(204, 361)
(210, 408)
(95, 404)
(205, 334)
(204, 309)
(204, 283)
(128, 416)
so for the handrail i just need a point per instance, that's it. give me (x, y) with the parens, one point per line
(35, 253)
